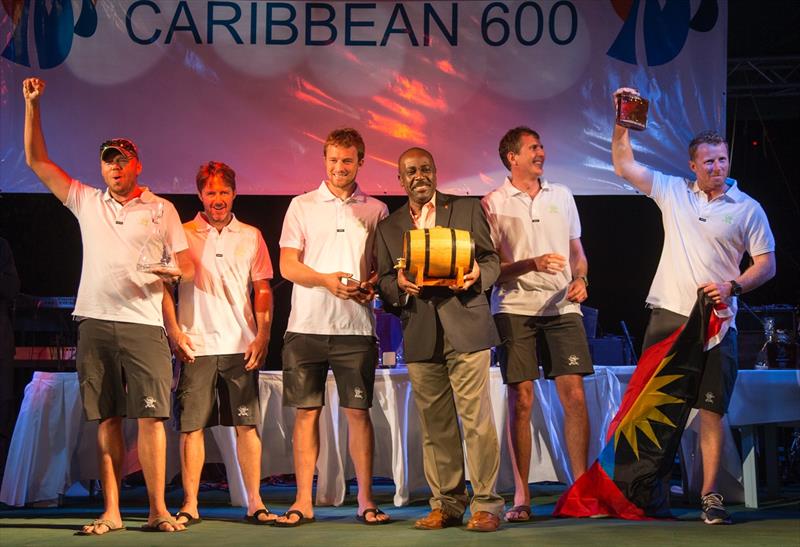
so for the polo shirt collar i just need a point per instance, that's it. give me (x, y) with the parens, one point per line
(731, 194)
(202, 225)
(511, 190)
(324, 194)
(145, 197)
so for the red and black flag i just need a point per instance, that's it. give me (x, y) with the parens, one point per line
(630, 478)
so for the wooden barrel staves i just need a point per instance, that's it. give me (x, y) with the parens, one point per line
(438, 256)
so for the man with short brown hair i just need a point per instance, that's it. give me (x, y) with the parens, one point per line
(221, 338)
(543, 279)
(326, 251)
(709, 223)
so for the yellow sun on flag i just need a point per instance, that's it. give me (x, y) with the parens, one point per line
(645, 410)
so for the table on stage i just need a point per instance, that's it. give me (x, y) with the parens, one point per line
(53, 447)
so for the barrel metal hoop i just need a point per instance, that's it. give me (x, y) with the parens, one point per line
(453, 249)
(427, 252)
(471, 252)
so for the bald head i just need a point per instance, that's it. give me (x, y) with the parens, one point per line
(416, 150)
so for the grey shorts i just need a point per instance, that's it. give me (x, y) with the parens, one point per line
(124, 369)
(564, 349)
(306, 358)
(722, 362)
(217, 390)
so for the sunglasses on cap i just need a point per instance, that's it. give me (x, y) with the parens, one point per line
(123, 146)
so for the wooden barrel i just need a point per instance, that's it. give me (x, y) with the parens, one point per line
(438, 252)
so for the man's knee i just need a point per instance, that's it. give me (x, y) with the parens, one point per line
(520, 397)
(571, 393)
(357, 416)
(246, 430)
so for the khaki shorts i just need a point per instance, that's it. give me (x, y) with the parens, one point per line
(722, 362)
(124, 369)
(306, 358)
(217, 390)
(564, 351)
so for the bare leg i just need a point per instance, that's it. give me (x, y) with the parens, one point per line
(248, 449)
(110, 452)
(153, 457)
(576, 421)
(305, 440)
(520, 402)
(193, 455)
(710, 448)
(361, 444)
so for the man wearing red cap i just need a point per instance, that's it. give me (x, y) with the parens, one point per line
(123, 360)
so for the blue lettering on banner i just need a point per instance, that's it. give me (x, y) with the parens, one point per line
(273, 22)
(528, 23)
(525, 23)
(211, 21)
(129, 22)
(310, 23)
(183, 7)
(407, 28)
(349, 24)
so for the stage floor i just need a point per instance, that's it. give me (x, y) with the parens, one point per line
(778, 523)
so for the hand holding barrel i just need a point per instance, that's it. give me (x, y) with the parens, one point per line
(405, 285)
(469, 279)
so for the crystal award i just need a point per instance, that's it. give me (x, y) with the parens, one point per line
(156, 255)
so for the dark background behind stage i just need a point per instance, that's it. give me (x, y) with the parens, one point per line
(622, 235)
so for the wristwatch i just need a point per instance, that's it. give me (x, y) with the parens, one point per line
(736, 289)
(584, 279)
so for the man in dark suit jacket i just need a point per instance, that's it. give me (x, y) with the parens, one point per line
(447, 336)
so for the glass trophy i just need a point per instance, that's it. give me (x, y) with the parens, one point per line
(156, 255)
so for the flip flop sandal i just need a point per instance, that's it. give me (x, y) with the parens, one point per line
(519, 509)
(302, 519)
(100, 522)
(190, 520)
(362, 518)
(253, 519)
(156, 525)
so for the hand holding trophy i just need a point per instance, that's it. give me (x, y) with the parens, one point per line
(156, 256)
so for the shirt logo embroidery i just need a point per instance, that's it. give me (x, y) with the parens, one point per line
(553, 209)
(149, 402)
(358, 393)
(728, 219)
(709, 397)
(243, 411)
(574, 361)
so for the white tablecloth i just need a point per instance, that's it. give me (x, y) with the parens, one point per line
(53, 447)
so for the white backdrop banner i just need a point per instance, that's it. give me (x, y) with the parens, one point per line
(258, 84)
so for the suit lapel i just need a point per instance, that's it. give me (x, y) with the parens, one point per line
(443, 209)
(399, 227)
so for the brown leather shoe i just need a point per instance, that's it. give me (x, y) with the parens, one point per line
(436, 520)
(483, 521)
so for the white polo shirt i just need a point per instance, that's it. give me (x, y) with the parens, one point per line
(704, 241)
(215, 309)
(333, 235)
(113, 236)
(523, 228)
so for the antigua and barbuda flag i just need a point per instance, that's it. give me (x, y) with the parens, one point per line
(630, 478)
